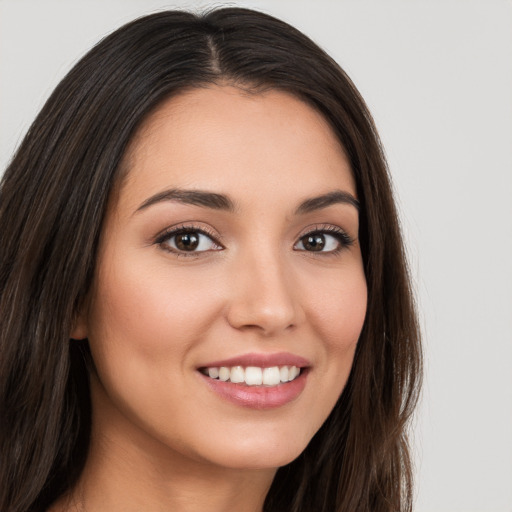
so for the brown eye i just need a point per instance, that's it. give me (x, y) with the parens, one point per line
(187, 241)
(314, 242)
(323, 241)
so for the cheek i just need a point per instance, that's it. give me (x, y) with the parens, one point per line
(337, 317)
(149, 309)
(340, 309)
(144, 323)
(335, 309)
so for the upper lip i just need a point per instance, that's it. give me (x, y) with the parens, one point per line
(261, 360)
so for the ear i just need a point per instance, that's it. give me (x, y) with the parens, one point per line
(79, 328)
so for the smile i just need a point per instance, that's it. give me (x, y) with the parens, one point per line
(253, 375)
(257, 381)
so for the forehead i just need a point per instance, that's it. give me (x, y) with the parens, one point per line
(236, 142)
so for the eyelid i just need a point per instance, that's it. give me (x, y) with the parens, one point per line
(324, 228)
(331, 229)
(171, 231)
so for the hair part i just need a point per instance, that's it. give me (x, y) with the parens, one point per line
(53, 199)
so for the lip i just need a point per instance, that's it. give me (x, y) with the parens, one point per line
(259, 397)
(262, 360)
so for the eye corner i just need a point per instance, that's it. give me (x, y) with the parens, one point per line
(198, 241)
(330, 240)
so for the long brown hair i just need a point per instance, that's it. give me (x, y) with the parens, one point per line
(53, 198)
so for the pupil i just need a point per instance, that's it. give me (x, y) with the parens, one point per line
(314, 242)
(187, 241)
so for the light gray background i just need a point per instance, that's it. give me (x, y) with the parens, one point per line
(437, 76)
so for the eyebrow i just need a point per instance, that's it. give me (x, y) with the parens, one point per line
(193, 197)
(222, 202)
(325, 200)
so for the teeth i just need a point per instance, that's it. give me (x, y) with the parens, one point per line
(271, 376)
(223, 373)
(237, 374)
(253, 375)
(213, 372)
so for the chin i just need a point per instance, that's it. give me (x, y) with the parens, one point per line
(260, 460)
(261, 453)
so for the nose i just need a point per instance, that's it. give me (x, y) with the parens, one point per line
(264, 296)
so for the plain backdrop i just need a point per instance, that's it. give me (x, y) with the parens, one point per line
(437, 76)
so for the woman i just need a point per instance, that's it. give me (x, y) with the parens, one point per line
(205, 301)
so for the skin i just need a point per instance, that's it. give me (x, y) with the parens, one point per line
(162, 439)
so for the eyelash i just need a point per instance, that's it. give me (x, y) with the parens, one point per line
(175, 231)
(342, 237)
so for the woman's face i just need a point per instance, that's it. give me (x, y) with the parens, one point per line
(230, 252)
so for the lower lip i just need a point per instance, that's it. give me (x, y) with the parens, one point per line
(258, 397)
